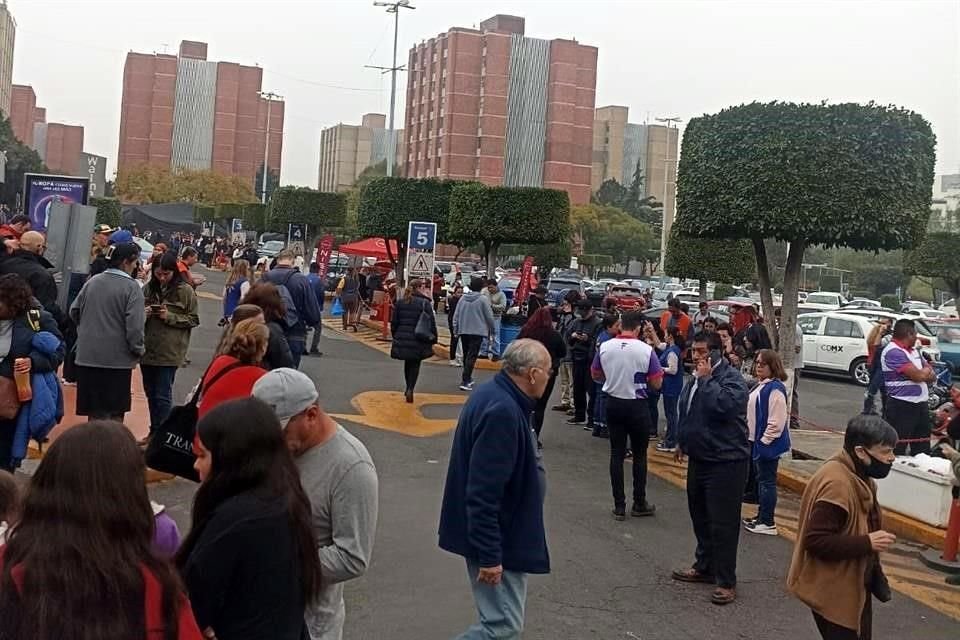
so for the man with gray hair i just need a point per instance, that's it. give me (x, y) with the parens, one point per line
(492, 512)
(338, 476)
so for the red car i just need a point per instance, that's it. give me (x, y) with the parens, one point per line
(625, 297)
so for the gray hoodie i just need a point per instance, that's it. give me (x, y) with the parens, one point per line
(473, 316)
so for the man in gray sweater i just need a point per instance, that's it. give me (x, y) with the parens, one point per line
(472, 322)
(498, 304)
(338, 476)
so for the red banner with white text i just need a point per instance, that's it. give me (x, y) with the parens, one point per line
(523, 288)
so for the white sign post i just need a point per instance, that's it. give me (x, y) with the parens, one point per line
(421, 243)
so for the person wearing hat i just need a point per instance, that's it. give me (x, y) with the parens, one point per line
(340, 480)
(110, 316)
(101, 236)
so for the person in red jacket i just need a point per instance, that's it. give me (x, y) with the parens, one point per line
(80, 558)
(675, 317)
(232, 373)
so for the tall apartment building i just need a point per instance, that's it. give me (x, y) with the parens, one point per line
(619, 146)
(59, 145)
(184, 111)
(8, 34)
(493, 105)
(347, 149)
(23, 112)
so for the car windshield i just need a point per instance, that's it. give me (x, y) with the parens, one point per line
(556, 285)
(625, 292)
(508, 283)
(273, 245)
(948, 333)
(821, 298)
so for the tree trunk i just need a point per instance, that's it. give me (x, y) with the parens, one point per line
(703, 290)
(763, 277)
(490, 251)
(788, 311)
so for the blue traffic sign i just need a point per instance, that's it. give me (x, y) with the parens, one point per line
(422, 236)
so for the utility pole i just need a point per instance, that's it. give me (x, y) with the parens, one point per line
(666, 172)
(394, 8)
(269, 96)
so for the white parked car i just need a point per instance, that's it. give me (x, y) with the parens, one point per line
(949, 307)
(837, 343)
(928, 314)
(824, 300)
(926, 335)
(689, 296)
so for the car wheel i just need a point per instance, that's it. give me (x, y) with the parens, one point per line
(860, 372)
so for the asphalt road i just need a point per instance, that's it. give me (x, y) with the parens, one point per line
(609, 579)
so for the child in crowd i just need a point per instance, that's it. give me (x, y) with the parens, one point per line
(166, 536)
(9, 504)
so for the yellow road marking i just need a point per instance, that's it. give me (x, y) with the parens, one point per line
(389, 410)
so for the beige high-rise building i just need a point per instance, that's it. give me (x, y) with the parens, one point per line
(347, 149)
(619, 147)
(8, 33)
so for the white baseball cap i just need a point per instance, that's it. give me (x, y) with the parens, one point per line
(288, 392)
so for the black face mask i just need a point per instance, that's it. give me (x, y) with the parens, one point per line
(877, 469)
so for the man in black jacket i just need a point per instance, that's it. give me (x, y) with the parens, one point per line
(304, 299)
(581, 337)
(713, 435)
(28, 263)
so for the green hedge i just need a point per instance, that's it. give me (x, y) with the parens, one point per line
(716, 259)
(890, 301)
(837, 175)
(202, 213)
(108, 211)
(499, 215)
(722, 291)
(388, 204)
(316, 209)
(938, 256)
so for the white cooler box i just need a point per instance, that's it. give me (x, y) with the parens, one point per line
(916, 492)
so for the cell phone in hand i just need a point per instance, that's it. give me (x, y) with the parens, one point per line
(155, 308)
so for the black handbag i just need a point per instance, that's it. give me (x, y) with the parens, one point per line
(171, 446)
(424, 331)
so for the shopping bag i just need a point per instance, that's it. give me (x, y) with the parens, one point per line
(170, 449)
(337, 309)
(424, 329)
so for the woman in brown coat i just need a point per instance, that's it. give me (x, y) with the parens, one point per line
(836, 562)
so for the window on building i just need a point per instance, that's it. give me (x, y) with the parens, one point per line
(444, 52)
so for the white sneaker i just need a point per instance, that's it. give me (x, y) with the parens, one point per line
(466, 387)
(763, 529)
(453, 363)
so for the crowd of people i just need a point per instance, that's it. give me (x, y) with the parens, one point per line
(286, 507)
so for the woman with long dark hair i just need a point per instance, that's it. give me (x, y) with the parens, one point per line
(539, 327)
(406, 345)
(171, 310)
(348, 290)
(250, 561)
(266, 296)
(22, 351)
(79, 562)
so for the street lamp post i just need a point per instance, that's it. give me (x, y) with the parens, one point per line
(394, 8)
(269, 96)
(666, 172)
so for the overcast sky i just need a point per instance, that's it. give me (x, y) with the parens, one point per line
(670, 58)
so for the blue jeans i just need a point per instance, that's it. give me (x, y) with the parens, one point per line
(500, 606)
(158, 387)
(600, 405)
(670, 411)
(485, 347)
(767, 489)
(298, 346)
(653, 399)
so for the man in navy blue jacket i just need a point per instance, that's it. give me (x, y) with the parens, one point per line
(713, 435)
(492, 511)
(304, 299)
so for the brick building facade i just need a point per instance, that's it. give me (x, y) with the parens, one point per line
(492, 105)
(185, 111)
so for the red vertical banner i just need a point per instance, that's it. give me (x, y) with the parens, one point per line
(523, 288)
(324, 248)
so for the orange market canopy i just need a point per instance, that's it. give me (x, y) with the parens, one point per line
(369, 248)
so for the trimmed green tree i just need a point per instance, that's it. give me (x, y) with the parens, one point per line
(838, 175)
(300, 205)
(500, 215)
(389, 204)
(108, 211)
(937, 256)
(717, 259)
